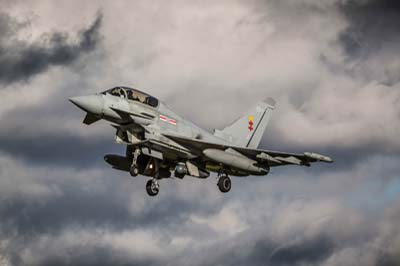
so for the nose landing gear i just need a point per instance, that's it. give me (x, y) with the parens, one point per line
(134, 170)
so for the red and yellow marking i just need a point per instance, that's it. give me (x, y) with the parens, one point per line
(251, 118)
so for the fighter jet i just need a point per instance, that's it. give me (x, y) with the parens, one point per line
(159, 141)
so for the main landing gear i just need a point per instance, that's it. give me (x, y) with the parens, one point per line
(152, 187)
(224, 183)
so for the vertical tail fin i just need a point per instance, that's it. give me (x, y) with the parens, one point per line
(248, 130)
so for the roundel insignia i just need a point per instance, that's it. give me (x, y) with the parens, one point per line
(250, 127)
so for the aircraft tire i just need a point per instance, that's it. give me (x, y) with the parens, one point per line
(224, 184)
(152, 188)
(134, 171)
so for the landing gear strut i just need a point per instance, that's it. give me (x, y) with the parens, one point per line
(152, 187)
(224, 183)
(134, 170)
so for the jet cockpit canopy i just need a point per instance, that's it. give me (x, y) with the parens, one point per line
(133, 95)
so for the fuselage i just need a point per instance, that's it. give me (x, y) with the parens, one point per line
(123, 108)
(155, 119)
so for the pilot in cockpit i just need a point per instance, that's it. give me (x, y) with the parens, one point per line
(132, 94)
(122, 93)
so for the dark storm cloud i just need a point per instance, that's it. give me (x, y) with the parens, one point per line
(374, 24)
(372, 37)
(344, 157)
(76, 209)
(98, 254)
(60, 150)
(72, 204)
(312, 251)
(92, 209)
(39, 229)
(25, 220)
(259, 246)
(85, 209)
(53, 147)
(20, 60)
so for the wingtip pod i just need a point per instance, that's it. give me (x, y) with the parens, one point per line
(318, 157)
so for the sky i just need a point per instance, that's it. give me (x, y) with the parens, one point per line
(331, 65)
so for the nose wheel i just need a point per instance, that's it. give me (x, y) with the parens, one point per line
(152, 187)
(224, 183)
(134, 171)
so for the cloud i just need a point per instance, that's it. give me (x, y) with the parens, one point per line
(73, 218)
(21, 60)
(371, 38)
(61, 204)
(374, 25)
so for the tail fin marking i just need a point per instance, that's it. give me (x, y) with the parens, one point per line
(248, 130)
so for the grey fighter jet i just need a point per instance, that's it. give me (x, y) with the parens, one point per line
(159, 141)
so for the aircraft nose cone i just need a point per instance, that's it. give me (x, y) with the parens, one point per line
(92, 103)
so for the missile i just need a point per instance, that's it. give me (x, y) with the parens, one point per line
(235, 160)
(318, 157)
